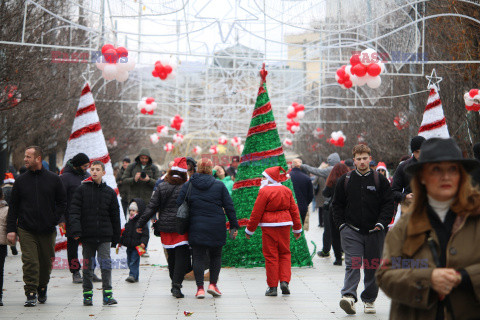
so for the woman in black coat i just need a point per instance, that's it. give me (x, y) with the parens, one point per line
(208, 201)
(164, 201)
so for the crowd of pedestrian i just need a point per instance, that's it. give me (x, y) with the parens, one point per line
(428, 211)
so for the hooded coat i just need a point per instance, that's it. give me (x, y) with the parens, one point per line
(94, 213)
(141, 189)
(130, 237)
(410, 287)
(332, 160)
(72, 178)
(208, 201)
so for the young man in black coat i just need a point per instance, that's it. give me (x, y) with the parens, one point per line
(303, 187)
(132, 239)
(362, 208)
(95, 221)
(74, 172)
(38, 201)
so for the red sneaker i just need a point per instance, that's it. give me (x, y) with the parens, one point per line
(213, 290)
(200, 294)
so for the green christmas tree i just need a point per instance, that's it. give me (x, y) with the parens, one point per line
(263, 150)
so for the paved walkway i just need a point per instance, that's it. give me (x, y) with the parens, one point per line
(315, 294)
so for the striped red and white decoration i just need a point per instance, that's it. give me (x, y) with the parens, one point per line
(87, 137)
(434, 124)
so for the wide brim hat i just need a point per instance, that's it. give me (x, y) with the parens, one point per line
(441, 150)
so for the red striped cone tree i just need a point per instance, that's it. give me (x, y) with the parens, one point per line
(434, 124)
(263, 149)
(87, 137)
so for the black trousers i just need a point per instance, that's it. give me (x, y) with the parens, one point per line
(125, 208)
(178, 263)
(201, 255)
(303, 215)
(3, 254)
(72, 254)
(320, 217)
(331, 235)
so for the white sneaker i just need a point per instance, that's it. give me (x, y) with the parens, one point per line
(347, 303)
(369, 307)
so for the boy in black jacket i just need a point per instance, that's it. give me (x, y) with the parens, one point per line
(132, 239)
(95, 219)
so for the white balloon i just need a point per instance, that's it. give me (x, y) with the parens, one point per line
(122, 76)
(148, 107)
(336, 77)
(335, 135)
(290, 109)
(122, 66)
(374, 82)
(110, 72)
(154, 138)
(154, 105)
(371, 54)
(130, 65)
(361, 80)
(348, 70)
(300, 114)
(100, 65)
(354, 79)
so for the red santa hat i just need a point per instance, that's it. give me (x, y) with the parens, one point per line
(274, 174)
(180, 164)
(9, 178)
(381, 165)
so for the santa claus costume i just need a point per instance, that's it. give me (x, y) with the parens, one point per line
(275, 211)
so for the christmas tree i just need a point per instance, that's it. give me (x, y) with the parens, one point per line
(263, 150)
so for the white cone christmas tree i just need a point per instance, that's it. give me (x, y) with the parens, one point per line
(434, 124)
(87, 137)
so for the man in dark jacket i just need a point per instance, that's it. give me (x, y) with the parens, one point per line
(37, 204)
(141, 176)
(132, 239)
(362, 208)
(476, 173)
(401, 181)
(123, 188)
(302, 185)
(74, 173)
(94, 219)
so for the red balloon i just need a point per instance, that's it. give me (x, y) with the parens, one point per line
(167, 68)
(374, 69)
(299, 107)
(150, 112)
(111, 56)
(291, 115)
(144, 111)
(354, 60)
(162, 75)
(159, 68)
(158, 63)
(341, 81)
(294, 104)
(149, 100)
(107, 47)
(359, 70)
(122, 52)
(154, 73)
(348, 84)
(341, 73)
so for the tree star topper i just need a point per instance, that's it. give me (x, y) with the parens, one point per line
(434, 80)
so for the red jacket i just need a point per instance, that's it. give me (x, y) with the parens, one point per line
(274, 207)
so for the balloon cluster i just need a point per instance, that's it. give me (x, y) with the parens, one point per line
(337, 139)
(162, 131)
(168, 147)
(178, 138)
(472, 100)
(401, 121)
(10, 95)
(163, 70)
(154, 138)
(112, 142)
(365, 68)
(147, 106)
(361, 137)
(236, 141)
(176, 122)
(287, 142)
(319, 133)
(213, 149)
(222, 140)
(114, 63)
(295, 112)
(197, 150)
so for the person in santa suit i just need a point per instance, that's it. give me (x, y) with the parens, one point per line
(275, 211)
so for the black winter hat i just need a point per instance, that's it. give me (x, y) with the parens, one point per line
(191, 161)
(80, 159)
(127, 159)
(416, 143)
(476, 151)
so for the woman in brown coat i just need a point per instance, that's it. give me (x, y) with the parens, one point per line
(431, 261)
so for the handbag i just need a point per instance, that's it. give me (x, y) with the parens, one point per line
(183, 214)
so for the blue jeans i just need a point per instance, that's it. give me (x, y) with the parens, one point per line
(133, 260)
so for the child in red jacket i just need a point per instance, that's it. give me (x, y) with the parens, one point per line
(275, 211)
